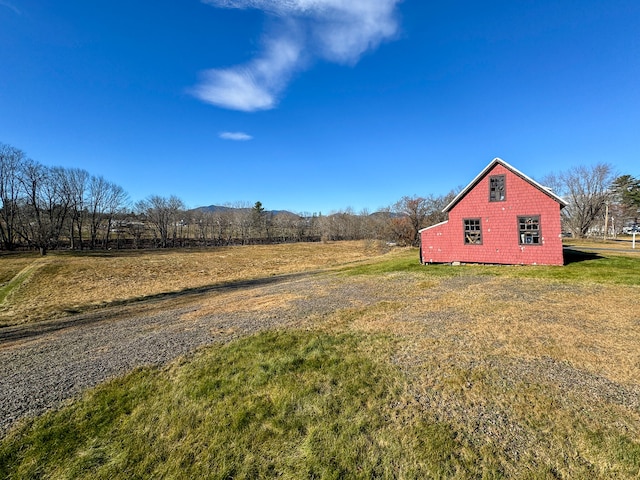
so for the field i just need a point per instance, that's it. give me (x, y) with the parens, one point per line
(339, 360)
(71, 282)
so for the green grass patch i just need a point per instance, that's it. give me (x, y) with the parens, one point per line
(609, 268)
(10, 286)
(11, 264)
(582, 266)
(407, 260)
(15, 283)
(296, 405)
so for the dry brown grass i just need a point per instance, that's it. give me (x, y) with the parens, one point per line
(595, 328)
(622, 244)
(66, 283)
(242, 302)
(12, 264)
(546, 373)
(587, 326)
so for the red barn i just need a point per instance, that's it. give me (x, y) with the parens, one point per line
(502, 216)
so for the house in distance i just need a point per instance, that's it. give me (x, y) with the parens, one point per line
(501, 217)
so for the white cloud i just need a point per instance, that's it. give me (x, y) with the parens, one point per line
(237, 136)
(254, 86)
(339, 31)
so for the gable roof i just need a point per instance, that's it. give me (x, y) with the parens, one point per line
(487, 169)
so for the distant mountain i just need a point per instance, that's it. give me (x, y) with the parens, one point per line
(220, 208)
(215, 208)
(387, 214)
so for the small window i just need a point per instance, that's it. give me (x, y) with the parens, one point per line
(529, 230)
(497, 191)
(472, 232)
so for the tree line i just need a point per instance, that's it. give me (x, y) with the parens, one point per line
(46, 208)
(599, 200)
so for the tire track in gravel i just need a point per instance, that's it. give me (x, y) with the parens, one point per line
(20, 332)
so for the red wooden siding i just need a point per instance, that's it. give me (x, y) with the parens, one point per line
(444, 243)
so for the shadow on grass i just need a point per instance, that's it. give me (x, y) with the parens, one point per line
(112, 310)
(575, 256)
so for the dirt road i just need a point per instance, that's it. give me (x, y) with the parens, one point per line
(46, 363)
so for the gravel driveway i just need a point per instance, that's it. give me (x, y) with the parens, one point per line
(44, 364)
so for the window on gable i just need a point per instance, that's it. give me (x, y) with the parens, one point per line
(497, 191)
(472, 231)
(529, 230)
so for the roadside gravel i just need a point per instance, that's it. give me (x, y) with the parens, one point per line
(57, 361)
(41, 366)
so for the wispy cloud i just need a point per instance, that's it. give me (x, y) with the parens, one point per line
(237, 136)
(252, 86)
(3, 3)
(339, 31)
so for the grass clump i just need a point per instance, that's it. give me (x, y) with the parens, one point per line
(296, 405)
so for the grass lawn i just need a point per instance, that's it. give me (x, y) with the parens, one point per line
(445, 372)
(298, 405)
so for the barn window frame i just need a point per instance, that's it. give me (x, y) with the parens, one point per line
(472, 228)
(497, 188)
(529, 231)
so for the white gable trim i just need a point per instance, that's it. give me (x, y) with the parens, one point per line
(432, 226)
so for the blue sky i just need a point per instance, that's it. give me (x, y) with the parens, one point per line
(319, 105)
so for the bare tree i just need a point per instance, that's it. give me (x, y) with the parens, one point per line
(11, 163)
(115, 203)
(223, 226)
(367, 225)
(401, 230)
(77, 181)
(350, 224)
(97, 205)
(587, 191)
(163, 213)
(380, 224)
(438, 204)
(203, 225)
(334, 226)
(46, 205)
(310, 226)
(176, 213)
(242, 219)
(284, 226)
(136, 229)
(412, 213)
